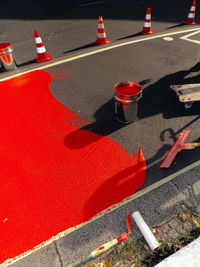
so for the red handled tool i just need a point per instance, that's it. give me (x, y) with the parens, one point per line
(177, 147)
(108, 245)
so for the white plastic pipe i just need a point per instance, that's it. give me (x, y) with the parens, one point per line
(145, 230)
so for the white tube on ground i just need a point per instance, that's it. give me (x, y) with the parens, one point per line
(145, 230)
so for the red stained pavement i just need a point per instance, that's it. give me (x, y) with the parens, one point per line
(53, 175)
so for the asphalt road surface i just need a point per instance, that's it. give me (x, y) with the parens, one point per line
(66, 25)
(156, 64)
(67, 29)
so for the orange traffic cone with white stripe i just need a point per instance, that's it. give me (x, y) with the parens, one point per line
(101, 35)
(42, 55)
(147, 23)
(191, 15)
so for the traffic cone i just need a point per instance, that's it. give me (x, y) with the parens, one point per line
(42, 55)
(147, 23)
(101, 35)
(191, 15)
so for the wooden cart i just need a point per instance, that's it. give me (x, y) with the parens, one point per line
(187, 93)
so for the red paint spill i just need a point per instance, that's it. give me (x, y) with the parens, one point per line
(77, 121)
(59, 73)
(52, 179)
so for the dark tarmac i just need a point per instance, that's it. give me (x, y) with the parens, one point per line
(156, 64)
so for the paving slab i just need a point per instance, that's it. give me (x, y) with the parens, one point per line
(189, 256)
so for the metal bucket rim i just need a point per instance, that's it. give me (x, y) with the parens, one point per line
(140, 93)
(126, 82)
(123, 101)
(126, 101)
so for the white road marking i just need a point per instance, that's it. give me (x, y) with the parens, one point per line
(62, 61)
(168, 38)
(191, 40)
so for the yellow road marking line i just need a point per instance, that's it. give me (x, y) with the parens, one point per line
(62, 61)
(191, 40)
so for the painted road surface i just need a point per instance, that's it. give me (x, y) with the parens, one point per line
(54, 175)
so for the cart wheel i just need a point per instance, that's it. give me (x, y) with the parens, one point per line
(188, 105)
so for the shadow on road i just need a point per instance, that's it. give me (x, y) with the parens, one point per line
(80, 48)
(158, 98)
(30, 62)
(182, 159)
(130, 36)
(176, 26)
(105, 123)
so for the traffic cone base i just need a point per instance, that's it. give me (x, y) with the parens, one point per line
(100, 42)
(43, 57)
(146, 32)
(189, 23)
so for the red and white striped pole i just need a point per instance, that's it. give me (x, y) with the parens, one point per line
(147, 23)
(42, 55)
(191, 15)
(101, 35)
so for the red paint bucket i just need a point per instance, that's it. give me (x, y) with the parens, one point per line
(127, 95)
(6, 57)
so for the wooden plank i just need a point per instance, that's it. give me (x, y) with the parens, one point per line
(190, 97)
(185, 89)
(190, 145)
(185, 86)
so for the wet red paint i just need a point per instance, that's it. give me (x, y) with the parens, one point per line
(77, 121)
(46, 184)
(128, 88)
